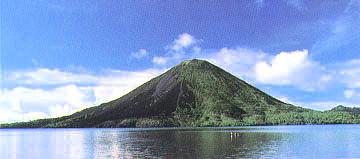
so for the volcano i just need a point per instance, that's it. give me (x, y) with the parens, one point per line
(193, 93)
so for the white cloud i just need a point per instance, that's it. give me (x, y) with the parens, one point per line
(160, 60)
(238, 61)
(180, 49)
(48, 76)
(27, 102)
(139, 54)
(282, 67)
(10, 115)
(292, 68)
(184, 40)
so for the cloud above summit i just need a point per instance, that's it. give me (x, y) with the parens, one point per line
(294, 68)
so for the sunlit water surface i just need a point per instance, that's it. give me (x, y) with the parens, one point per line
(307, 141)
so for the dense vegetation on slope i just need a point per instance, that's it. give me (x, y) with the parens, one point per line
(193, 93)
(340, 108)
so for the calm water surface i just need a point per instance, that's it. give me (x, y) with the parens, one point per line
(308, 141)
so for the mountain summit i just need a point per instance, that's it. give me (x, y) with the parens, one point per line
(193, 93)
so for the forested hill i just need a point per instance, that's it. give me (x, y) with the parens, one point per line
(194, 93)
(341, 108)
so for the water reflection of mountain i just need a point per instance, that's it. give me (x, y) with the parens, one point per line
(189, 144)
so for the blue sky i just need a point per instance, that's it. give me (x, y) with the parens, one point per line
(58, 57)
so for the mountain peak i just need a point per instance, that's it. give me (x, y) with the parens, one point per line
(339, 107)
(352, 110)
(194, 63)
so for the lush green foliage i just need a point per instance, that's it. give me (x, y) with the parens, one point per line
(311, 117)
